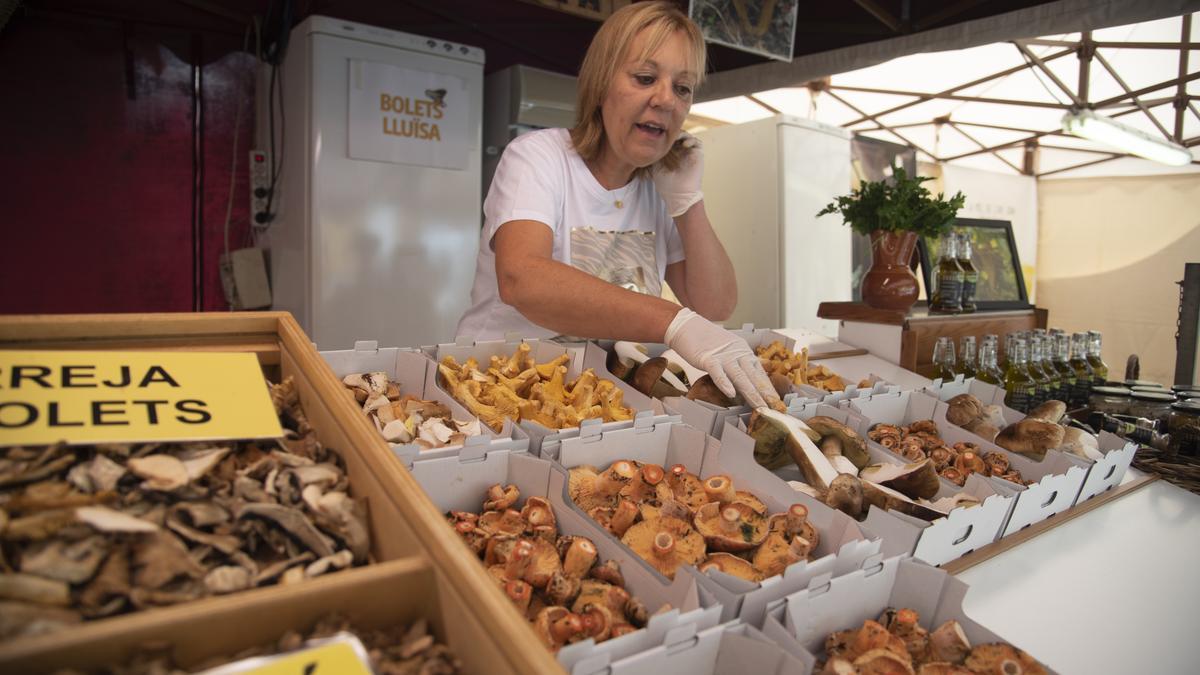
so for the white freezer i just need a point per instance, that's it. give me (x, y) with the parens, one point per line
(380, 244)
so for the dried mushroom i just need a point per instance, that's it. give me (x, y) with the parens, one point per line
(520, 389)
(553, 580)
(407, 419)
(100, 530)
(897, 643)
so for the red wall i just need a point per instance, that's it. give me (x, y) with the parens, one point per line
(99, 173)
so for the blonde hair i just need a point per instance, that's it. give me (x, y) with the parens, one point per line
(609, 51)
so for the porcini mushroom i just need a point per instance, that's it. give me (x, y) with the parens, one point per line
(778, 439)
(731, 526)
(883, 497)
(1051, 411)
(964, 409)
(837, 439)
(665, 543)
(845, 493)
(653, 378)
(917, 480)
(704, 389)
(1031, 437)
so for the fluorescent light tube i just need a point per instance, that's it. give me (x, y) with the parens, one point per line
(1087, 124)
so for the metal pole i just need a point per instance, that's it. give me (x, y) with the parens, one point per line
(1181, 91)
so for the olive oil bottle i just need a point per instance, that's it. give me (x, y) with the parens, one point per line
(1020, 389)
(970, 274)
(1083, 371)
(967, 365)
(988, 371)
(1099, 368)
(948, 278)
(1038, 358)
(943, 359)
(1066, 374)
(1034, 365)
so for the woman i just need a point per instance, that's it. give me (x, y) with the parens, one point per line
(581, 227)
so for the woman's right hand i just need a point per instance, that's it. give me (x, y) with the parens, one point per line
(724, 356)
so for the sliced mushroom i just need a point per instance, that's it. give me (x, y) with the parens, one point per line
(340, 560)
(159, 558)
(294, 523)
(917, 480)
(227, 579)
(199, 463)
(163, 473)
(35, 589)
(71, 561)
(225, 543)
(104, 519)
(20, 619)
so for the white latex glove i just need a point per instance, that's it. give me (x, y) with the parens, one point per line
(681, 188)
(726, 357)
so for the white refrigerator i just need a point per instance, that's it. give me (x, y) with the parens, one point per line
(379, 205)
(764, 182)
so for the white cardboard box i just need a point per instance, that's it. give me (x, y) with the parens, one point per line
(843, 603)
(542, 351)
(1057, 480)
(460, 483)
(1103, 474)
(410, 368)
(936, 542)
(728, 649)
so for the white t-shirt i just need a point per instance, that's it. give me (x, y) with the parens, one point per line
(624, 236)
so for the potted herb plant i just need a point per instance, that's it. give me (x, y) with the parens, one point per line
(893, 213)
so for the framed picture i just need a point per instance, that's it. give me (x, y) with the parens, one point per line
(994, 252)
(764, 28)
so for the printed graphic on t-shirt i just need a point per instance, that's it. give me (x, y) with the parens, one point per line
(626, 259)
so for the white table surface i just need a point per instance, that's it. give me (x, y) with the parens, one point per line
(1113, 591)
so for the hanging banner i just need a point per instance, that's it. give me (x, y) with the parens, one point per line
(125, 397)
(763, 27)
(407, 116)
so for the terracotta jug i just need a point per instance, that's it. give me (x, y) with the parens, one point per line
(890, 283)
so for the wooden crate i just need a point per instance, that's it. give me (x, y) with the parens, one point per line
(479, 622)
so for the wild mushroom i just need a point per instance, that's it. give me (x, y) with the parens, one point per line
(665, 543)
(71, 561)
(917, 480)
(653, 378)
(882, 497)
(163, 473)
(537, 513)
(1051, 411)
(1080, 443)
(159, 558)
(507, 522)
(555, 626)
(294, 523)
(543, 564)
(609, 572)
(778, 439)
(35, 589)
(704, 389)
(624, 359)
(1031, 437)
(1002, 659)
(732, 565)
(562, 589)
(104, 519)
(795, 523)
(501, 498)
(839, 440)
(227, 579)
(949, 643)
(883, 662)
(941, 457)
(731, 527)
(969, 462)
(964, 409)
(779, 551)
(985, 430)
(687, 487)
(846, 494)
(904, 624)
(597, 622)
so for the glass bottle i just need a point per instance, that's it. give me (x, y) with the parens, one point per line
(1020, 389)
(948, 278)
(988, 371)
(1060, 361)
(1083, 371)
(1099, 368)
(943, 359)
(993, 362)
(1038, 357)
(966, 357)
(970, 274)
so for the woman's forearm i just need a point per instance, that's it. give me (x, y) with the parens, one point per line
(709, 277)
(572, 302)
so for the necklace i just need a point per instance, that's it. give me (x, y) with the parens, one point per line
(619, 204)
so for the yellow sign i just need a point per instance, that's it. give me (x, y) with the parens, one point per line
(115, 397)
(332, 658)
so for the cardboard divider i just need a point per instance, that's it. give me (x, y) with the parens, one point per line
(1102, 474)
(843, 544)
(1056, 481)
(807, 617)
(377, 596)
(937, 542)
(853, 369)
(542, 351)
(729, 649)
(410, 368)
(460, 483)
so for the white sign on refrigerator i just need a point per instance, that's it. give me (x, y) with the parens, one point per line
(407, 116)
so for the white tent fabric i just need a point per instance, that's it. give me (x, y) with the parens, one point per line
(960, 143)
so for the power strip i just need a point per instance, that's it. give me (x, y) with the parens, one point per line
(260, 188)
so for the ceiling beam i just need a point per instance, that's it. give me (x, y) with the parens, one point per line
(1183, 79)
(882, 126)
(1185, 33)
(1080, 166)
(1037, 60)
(976, 141)
(772, 109)
(1183, 44)
(954, 97)
(881, 14)
(1136, 101)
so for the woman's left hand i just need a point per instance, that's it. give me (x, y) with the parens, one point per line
(680, 188)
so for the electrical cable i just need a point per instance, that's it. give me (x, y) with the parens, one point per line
(1034, 69)
(237, 128)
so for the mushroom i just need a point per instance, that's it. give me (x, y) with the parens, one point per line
(985, 430)
(687, 487)
(555, 626)
(520, 593)
(597, 622)
(779, 551)
(917, 480)
(883, 662)
(562, 589)
(795, 523)
(537, 513)
(609, 572)
(501, 498)
(340, 560)
(624, 359)
(19, 619)
(838, 666)
(1002, 659)
(35, 589)
(886, 498)
(780, 438)
(159, 558)
(1080, 443)
(964, 409)
(653, 378)
(104, 519)
(704, 389)
(941, 457)
(719, 489)
(619, 474)
(837, 439)
(845, 493)
(162, 472)
(542, 565)
(507, 522)
(665, 543)
(227, 579)
(1051, 411)
(731, 527)
(903, 623)
(1031, 437)
(595, 592)
(71, 561)
(732, 565)
(969, 462)
(294, 523)
(949, 643)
